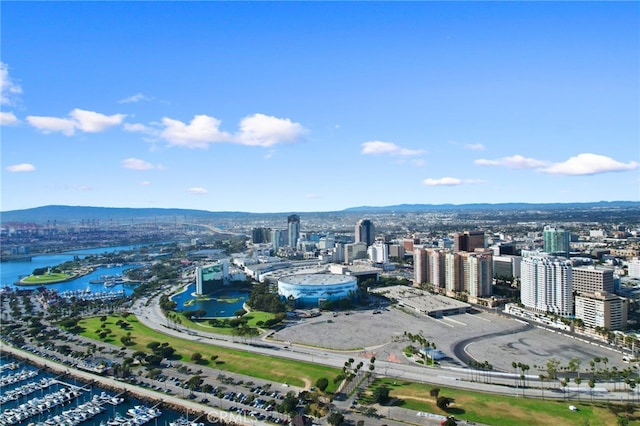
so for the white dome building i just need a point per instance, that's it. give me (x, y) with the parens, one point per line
(312, 289)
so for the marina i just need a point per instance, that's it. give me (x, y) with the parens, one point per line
(35, 397)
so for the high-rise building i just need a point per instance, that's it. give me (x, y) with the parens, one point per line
(468, 241)
(365, 232)
(260, 235)
(477, 273)
(506, 266)
(634, 268)
(378, 252)
(556, 241)
(603, 310)
(354, 251)
(429, 267)
(589, 279)
(210, 278)
(546, 284)
(293, 226)
(279, 238)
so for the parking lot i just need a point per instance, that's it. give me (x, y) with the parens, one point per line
(498, 339)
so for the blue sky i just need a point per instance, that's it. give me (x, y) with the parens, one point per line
(318, 106)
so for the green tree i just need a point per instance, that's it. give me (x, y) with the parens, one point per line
(434, 392)
(381, 395)
(335, 419)
(443, 402)
(322, 383)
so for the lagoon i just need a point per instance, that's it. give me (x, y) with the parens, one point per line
(222, 303)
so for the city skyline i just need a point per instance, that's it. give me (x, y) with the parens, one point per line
(281, 107)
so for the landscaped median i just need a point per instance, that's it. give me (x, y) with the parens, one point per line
(137, 337)
(498, 410)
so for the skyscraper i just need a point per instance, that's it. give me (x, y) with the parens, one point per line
(556, 241)
(293, 226)
(365, 232)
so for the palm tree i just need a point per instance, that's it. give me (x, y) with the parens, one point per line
(541, 377)
(578, 380)
(592, 384)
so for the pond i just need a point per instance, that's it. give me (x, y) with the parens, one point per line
(222, 303)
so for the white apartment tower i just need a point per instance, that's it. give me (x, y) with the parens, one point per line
(547, 285)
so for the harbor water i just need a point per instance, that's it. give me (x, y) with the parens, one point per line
(29, 396)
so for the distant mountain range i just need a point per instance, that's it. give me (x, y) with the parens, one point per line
(66, 214)
(489, 206)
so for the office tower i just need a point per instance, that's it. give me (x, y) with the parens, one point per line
(506, 266)
(293, 226)
(603, 310)
(354, 251)
(556, 241)
(210, 278)
(365, 232)
(468, 241)
(547, 285)
(589, 279)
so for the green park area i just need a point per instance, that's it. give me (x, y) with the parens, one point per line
(221, 326)
(45, 279)
(501, 410)
(137, 336)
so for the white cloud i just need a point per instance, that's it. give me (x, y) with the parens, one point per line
(137, 127)
(134, 98)
(513, 162)
(85, 188)
(145, 183)
(200, 133)
(419, 162)
(264, 130)
(8, 119)
(94, 122)
(52, 124)
(197, 190)
(380, 148)
(136, 164)
(203, 130)
(475, 146)
(23, 167)
(589, 164)
(9, 90)
(312, 196)
(86, 121)
(450, 181)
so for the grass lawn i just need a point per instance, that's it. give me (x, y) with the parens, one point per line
(264, 367)
(500, 410)
(252, 317)
(45, 279)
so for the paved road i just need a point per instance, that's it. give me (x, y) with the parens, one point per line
(490, 382)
